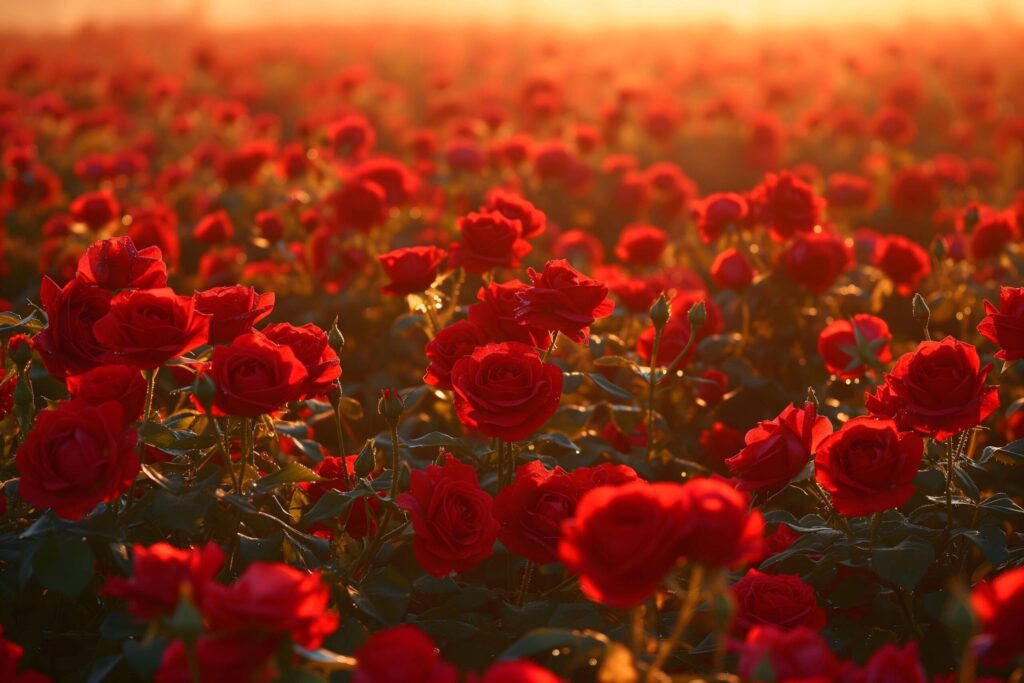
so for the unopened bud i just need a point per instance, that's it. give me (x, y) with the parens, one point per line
(660, 311)
(334, 394)
(939, 250)
(335, 338)
(20, 349)
(697, 316)
(922, 314)
(366, 461)
(390, 406)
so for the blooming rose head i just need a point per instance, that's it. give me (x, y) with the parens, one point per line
(725, 532)
(849, 347)
(254, 376)
(214, 229)
(68, 345)
(1004, 326)
(998, 606)
(716, 212)
(773, 654)
(495, 314)
(641, 245)
(116, 264)
(816, 260)
(402, 654)
(489, 240)
(892, 663)
(119, 383)
(357, 520)
(158, 574)
(449, 345)
(777, 450)
(904, 262)
(532, 220)
(95, 209)
(312, 348)
(147, 327)
(233, 310)
(411, 269)
(230, 656)
(787, 204)
(781, 600)
(732, 270)
(564, 300)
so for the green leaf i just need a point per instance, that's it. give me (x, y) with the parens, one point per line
(384, 595)
(990, 539)
(609, 387)
(563, 651)
(289, 474)
(905, 564)
(615, 362)
(63, 564)
(1002, 504)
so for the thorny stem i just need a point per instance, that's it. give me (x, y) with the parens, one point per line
(247, 451)
(551, 347)
(686, 613)
(525, 585)
(371, 548)
(651, 383)
(342, 450)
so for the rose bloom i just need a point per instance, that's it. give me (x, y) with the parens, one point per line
(411, 269)
(998, 606)
(641, 245)
(95, 209)
(623, 540)
(716, 212)
(781, 600)
(495, 314)
(847, 191)
(270, 225)
(272, 599)
(904, 262)
(156, 226)
(532, 509)
(116, 264)
(816, 260)
(563, 299)
(914, 190)
(158, 574)
(68, 345)
(726, 532)
(452, 517)
(720, 442)
(787, 204)
(75, 457)
(489, 240)
(351, 136)
(777, 450)
(215, 228)
(402, 654)
(449, 345)
(732, 270)
(890, 663)
(937, 390)
(119, 383)
(232, 656)
(792, 654)
(844, 344)
(148, 327)
(397, 181)
(361, 205)
(518, 671)
(233, 310)
(505, 391)
(358, 520)
(1004, 326)
(868, 466)
(995, 229)
(311, 347)
(255, 376)
(532, 220)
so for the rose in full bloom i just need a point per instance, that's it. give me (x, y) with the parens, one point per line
(255, 375)
(563, 299)
(994, 230)
(116, 264)
(849, 347)
(215, 228)
(410, 269)
(868, 466)
(938, 390)
(641, 245)
(785, 655)
(726, 531)
(452, 517)
(505, 390)
(782, 600)
(158, 573)
(1004, 326)
(311, 346)
(816, 260)
(787, 204)
(449, 345)
(233, 310)
(732, 270)
(776, 450)
(532, 509)
(904, 262)
(95, 209)
(623, 540)
(403, 654)
(532, 220)
(998, 606)
(75, 457)
(119, 383)
(489, 240)
(231, 656)
(495, 314)
(68, 345)
(361, 204)
(518, 671)
(272, 599)
(147, 327)
(716, 212)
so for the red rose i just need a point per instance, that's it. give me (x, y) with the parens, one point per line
(848, 191)
(564, 300)
(254, 376)
(119, 383)
(489, 240)
(495, 314)
(518, 671)
(221, 657)
(148, 327)
(351, 137)
(868, 466)
(158, 573)
(914, 190)
(1004, 326)
(10, 663)
(451, 516)
(272, 599)
(68, 345)
(532, 220)
(717, 212)
(95, 209)
(777, 541)
(998, 606)
(398, 182)
(505, 391)
(720, 442)
(358, 521)
(215, 228)
(623, 540)
(310, 345)
(732, 270)
(270, 225)
(403, 654)
(641, 245)
(449, 345)
(892, 125)
(787, 204)
(938, 390)
(891, 663)
(361, 204)
(233, 310)
(622, 442)
(849, 347)
(815, 260)
(156, 226)
(782, 600)
(774, 654)
(75, 457)
(904, 262)
(116, 264)
(712, 386)
(995, 229)
(776, 450)
(410, 270)
(726, 532)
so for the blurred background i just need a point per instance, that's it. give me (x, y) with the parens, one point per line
(39, 15)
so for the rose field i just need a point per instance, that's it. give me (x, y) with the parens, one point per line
(400, 354)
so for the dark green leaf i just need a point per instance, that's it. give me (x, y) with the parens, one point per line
(905, 564)
(63, 564)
